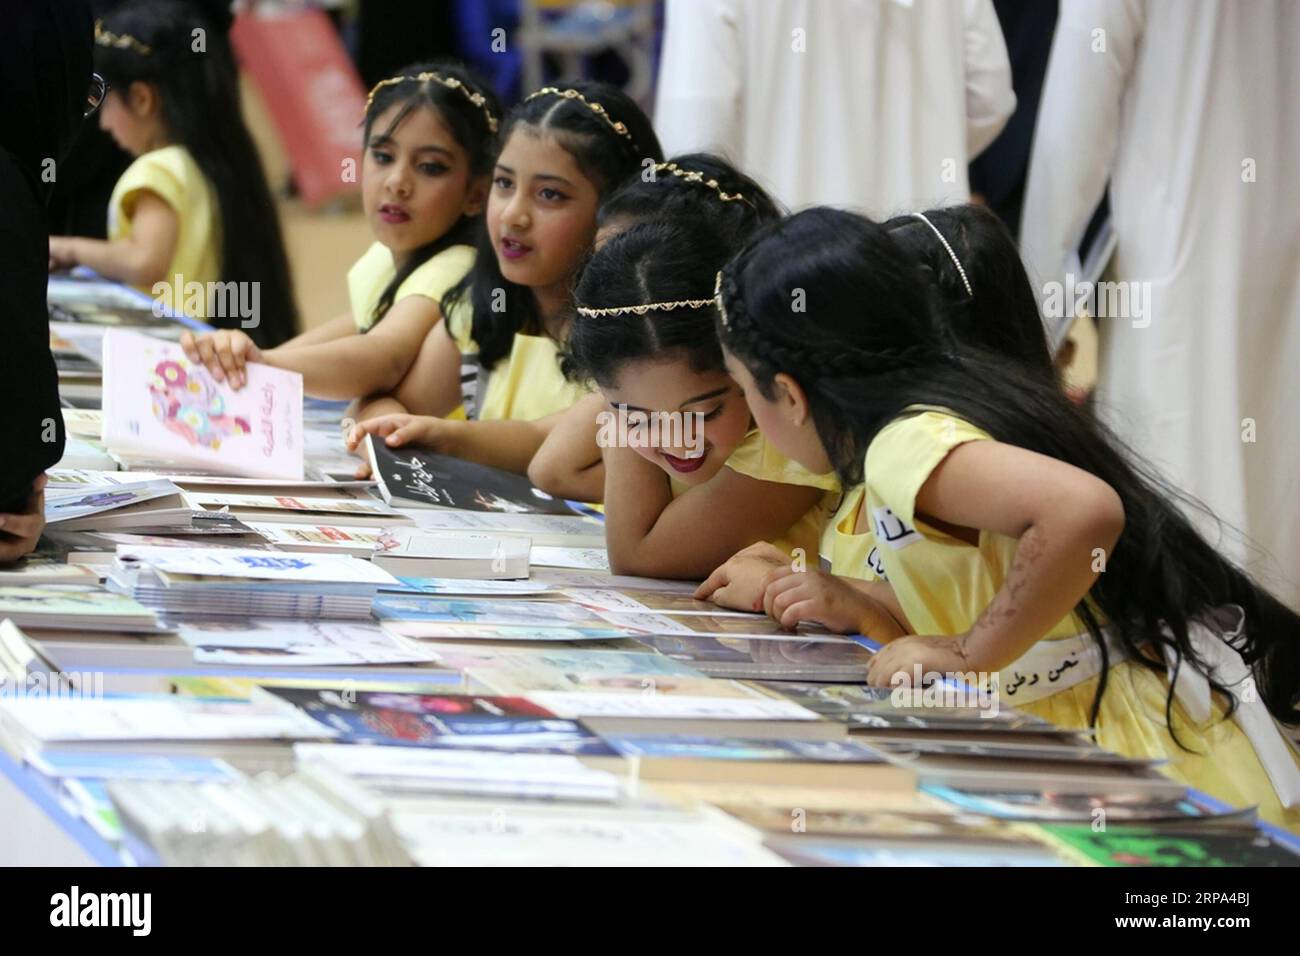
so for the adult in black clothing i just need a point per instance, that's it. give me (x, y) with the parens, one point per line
(45, 72)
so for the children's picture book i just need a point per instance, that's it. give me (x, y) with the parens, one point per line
(423, 479)
(443, 720)
(159, 406)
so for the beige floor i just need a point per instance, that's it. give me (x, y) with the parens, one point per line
(322, 244)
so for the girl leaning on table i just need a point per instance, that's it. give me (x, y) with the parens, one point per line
(1016, 536)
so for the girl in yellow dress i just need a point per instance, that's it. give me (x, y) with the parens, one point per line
(957, 248)
(562, 151)
(691, 186)
(429, 135)
(194, 208)
(1018, 539)
(688, 478)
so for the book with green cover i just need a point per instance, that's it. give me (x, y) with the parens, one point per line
(1151, 846)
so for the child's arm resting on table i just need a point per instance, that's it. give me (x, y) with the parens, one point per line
(504, 443)
(140, 259)
(649, 532)
(569, 463)
(1064, 519)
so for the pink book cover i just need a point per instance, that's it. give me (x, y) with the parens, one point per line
(158, 405)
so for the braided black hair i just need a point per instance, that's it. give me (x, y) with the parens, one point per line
(866, 347)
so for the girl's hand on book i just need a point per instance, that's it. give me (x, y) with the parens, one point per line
(791, 596)
(931, 654)
(400, 429)
(225, 353)
(738, 584)
(19, 532)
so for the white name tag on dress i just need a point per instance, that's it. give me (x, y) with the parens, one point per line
(892, 530)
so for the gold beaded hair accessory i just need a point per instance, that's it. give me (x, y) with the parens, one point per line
(649, 307)
(717, 300)
(478, 99)
(120, 42)
(568, 94)
(694, 176)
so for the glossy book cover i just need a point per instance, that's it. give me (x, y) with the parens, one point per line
(160, 406)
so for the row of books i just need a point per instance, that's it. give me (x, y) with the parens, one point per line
(224, 656)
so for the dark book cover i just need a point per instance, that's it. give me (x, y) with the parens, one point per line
(414, 477)
(443, 721)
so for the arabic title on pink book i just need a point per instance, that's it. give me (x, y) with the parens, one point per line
(160, 406)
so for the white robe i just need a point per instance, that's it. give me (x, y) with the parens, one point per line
(876, 105)
(1193, 112)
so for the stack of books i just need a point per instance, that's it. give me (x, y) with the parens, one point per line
(233, 582)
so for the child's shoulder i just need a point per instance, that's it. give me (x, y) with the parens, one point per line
(756, 457)
(901, 457)
(440, 273)
(170, 172)
(919, 428)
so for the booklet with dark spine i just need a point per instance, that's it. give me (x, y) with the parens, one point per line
(414, 478)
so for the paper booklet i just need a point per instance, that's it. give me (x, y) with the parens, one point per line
(160, 406)
(415, 552)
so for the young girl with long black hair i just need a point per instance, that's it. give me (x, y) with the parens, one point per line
(430, 138)
(562, 151)
(195, 203)
(1017, 536)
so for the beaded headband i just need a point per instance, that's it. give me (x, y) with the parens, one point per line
(615, 125)
(649, 307)
(121, 42)
(693, 176)
(951, 255)
(478, 99)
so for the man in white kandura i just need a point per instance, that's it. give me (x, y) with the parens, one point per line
(876, 105)
(1192, 111)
